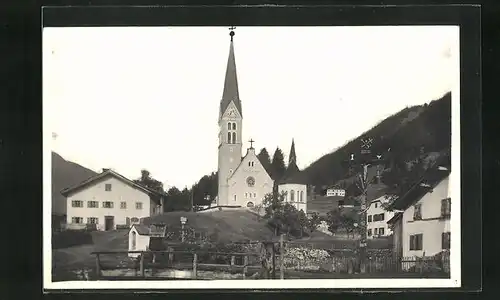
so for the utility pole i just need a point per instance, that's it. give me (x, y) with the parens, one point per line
(191, 199)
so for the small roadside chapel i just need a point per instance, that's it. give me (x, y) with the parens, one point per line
(140, 237)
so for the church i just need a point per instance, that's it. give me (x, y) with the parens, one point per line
(242, 181)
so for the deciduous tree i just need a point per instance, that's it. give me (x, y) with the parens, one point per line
(313, 222)
(148, 181)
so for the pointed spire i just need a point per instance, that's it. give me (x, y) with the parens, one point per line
(292, 167)
(292, 158)
(230, 92)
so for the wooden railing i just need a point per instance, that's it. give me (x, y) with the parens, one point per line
(194, 266)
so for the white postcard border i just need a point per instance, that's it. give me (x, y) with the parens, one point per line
(397, 283)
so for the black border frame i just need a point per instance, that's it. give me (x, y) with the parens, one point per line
(466, 16)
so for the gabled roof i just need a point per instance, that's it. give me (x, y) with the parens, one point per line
(230, 92)
(241, 162)
(429, 180)
(107, 173)
(141, 229)
(397, 216)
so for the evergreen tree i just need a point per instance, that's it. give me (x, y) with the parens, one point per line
(278, 165)
(265, 159)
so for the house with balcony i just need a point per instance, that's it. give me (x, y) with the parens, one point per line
(109, 200)
(421, 222)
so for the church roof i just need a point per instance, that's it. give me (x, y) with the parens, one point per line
(249, 150)
(230, 92)
(291, 175)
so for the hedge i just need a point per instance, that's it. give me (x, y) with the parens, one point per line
(69, 238)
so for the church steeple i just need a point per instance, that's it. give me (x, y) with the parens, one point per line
(292, 158)
(292, 167)
(230, 92)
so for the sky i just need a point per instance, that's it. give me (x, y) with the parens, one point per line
(132, 98)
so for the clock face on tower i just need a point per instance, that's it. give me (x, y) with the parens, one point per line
(250, 181)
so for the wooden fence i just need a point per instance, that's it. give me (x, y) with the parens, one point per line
(274, 260)
(156, 261)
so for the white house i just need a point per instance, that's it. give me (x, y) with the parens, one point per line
(109, 199)
(335, 192)
(421, 226)
(376, 219)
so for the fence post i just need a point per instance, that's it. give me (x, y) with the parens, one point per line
(245, 266)
(273, 249)
(141, 265)
(195, 264)
(233, 258)
(170, 256)
(97, 266)
(282, 256)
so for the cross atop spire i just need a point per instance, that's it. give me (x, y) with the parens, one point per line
(231, 33)
(251, 143)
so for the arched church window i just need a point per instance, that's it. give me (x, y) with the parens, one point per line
(301, 196)
(229, 126)
(134, 240)
(234, 197)
(234, 126)
(234, 137)
(229, 137)
(292, 195)
(254, 195)
(250, 204)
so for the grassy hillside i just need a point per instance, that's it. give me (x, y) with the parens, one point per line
(233, 225)
(419, 128)
(65, 174)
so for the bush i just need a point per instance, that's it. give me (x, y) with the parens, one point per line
(70, 238)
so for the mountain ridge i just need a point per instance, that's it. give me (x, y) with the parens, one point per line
(402, 136)
(65, 173)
